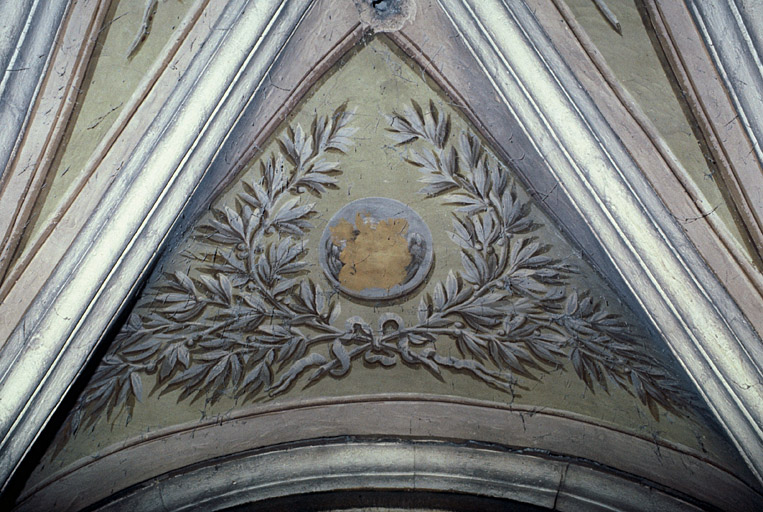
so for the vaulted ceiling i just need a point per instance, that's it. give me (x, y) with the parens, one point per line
(497, 236)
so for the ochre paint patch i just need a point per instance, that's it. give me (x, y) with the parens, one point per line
(375, 255)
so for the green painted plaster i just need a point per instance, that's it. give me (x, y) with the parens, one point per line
(110, 81)
(632, 57)
(376, 79)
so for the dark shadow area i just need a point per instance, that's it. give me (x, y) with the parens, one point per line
(47, 436)
(387, 500)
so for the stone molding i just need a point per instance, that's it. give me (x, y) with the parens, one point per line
(109, 256)
(170, 459)
(38, 89)
(729, 139)
(683, 299)
(637, 241)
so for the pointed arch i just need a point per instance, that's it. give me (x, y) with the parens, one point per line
(197, 127)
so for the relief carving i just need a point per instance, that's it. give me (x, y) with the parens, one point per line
(248, 320)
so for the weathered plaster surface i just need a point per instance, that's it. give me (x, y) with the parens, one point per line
(377, 80)
(632, 57)
(752, 13)
(111, 79)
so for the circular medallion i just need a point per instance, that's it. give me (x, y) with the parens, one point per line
(376, 249)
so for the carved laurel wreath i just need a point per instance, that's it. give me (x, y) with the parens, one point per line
(253, 323)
